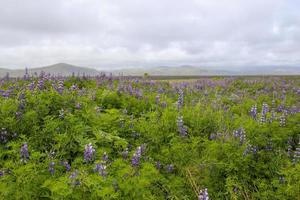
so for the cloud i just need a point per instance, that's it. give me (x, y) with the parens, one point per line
(111, 33)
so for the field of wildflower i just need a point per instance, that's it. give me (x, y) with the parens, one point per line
(111, 137)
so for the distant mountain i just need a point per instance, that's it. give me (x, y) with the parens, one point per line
(269, 70)
(62, 69)
(185, 70)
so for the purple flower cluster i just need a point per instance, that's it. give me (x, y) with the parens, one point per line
(180, 99)
(101, 169)
(74, 87)
(89, 152)
(203, 195)
(60, 87)
(6, 93)
(78, 106)
(24, 153)
(3, 136)
(51, 168)
(158, 165)
(282, 120)
(135, 160)
(250, 149)
(31, 86)
(240, 133)
(297, 153)
(170, 168)
(105, 157)
(181, 128)
(253, 111)
(40, 84)
(74, 179)
(264, 111)
(66, 165)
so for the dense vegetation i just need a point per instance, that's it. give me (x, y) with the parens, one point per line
(121, 138)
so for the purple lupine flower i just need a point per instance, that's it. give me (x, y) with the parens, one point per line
(60, 87)
(105, 157)
(164, 104)
(74, 174)
(294, 110)
(3, 136)
(250, 149)
(51, 168)
(6, 93)
(1, 173)
(24, 153)
(66, 165)
(131, 122)
(203, 195)
(181, 128)
(212, 136)
(138, 93)
(282, 120)
(130, 89)
(21, 96)
(263, 118)
(253, 112)
(180, 99)
(158, 165)
(140, 150)
(74, 179)
(78, 106)
(135, 160)
(240, 133)
(289, 151)
(18, 114)
(22, 105)
(280, 108)
(54, 86)
(74, 87)
(264, 111)
(235, 189)
(170, 168)
(40, 84)
(89, 152)
(101, 169)
(160, 90)
(297, 154)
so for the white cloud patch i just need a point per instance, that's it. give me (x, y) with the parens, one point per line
(111, 33)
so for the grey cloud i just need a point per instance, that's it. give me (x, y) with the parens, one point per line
(111, 33)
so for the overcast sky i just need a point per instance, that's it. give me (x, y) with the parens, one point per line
(128, 33)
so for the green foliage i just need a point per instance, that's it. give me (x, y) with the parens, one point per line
(114, 117)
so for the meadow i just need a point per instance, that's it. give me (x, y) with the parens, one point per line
(130, 138)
